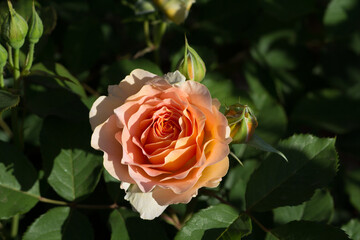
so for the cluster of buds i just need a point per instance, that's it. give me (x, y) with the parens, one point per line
(175, 10)
(192, 66)
(242, 122)
(14, 31)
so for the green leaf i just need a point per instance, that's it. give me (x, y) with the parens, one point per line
(8, 100)
(352, 228)
(221, 88)
(75, 173)
(113, 187)
(55, 102)
(32, 128)
(260, 144)
(337, 11)
(237, 180)
(60, 223)
(118, 226)
(319, 208)
(312, 164)
(288, 10)
(19, 187)
(317, 110)
(269, 113)
(301, 230)
(208, 223)
(150, 230)
(72, 167)
(240, 228)
(120, 69)
(352, 187)
(62, 76)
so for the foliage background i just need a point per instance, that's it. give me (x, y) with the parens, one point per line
(295, 62)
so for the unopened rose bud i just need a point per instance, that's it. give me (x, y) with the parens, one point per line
(3, 57)
(242, 122)
(175, 10)
(14, 28)
(36, 27)
(192, 66)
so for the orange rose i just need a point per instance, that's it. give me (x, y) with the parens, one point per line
(163, 141)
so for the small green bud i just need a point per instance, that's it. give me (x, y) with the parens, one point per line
(242, 122)
(192, 66)
(3, 56)
(175, 10)
(36, 27)
(14, 29)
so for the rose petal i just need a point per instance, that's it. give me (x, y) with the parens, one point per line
(210, 177)
(144, 203)
(104, 138)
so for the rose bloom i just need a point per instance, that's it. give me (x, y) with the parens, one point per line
(162, 141)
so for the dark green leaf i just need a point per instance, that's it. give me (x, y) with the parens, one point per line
(306, 230)
(55, 102)
(352, 228)
(142, 229)
(352, 187)
(60, 223)
(113, 187)
(338, 11)
(312, 164)
(260, 144)
(208, 223)
(237, 180)
(120, 69)
(118, 226)
(317, 110)
(75, 173)
(270, 114)
(288, 10)
(73, 167)
(241, 227)
(221, 88)
(32, 128)
(8, 100)
(61, 75)
(319, 208)
(19, 187)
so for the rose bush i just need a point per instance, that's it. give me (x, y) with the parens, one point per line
(162, 141)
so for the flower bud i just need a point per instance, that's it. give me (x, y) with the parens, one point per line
(242, 122)
(192, 66)
(3, 56)
(36, 27)
(14, 28)
(175, 10)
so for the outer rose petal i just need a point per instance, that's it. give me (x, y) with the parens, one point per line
(104, 139)
(144, 203)
(104, 106)
(210, 177)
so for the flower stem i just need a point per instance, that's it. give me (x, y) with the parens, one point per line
(15, 226)
(30, 57)
(147, 34)
(10, 55)
(75, 205)
(15, 111)
(16, 72)
(2, 85)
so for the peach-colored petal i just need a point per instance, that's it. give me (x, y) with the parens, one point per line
(104, 106)
(104, 138)
(101, 110)
(199, 95)
(210, 177)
